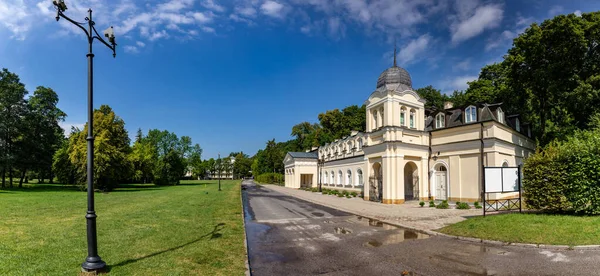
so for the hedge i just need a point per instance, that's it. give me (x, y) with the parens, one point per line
(270, 178)
(565, 176)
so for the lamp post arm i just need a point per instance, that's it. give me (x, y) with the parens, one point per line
(75, 23)
(99, 37)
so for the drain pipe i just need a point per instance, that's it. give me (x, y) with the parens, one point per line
(482, 188)
(429, 168)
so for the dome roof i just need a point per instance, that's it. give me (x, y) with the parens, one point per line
(394, 75)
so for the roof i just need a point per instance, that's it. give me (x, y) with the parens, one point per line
(311, 155)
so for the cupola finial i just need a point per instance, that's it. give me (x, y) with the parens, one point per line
(395, 54)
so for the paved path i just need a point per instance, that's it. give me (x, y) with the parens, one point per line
(410, 214)
(291, 236)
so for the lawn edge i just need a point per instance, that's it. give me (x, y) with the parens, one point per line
(246, 261)
(462, 238)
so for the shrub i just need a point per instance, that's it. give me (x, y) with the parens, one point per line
(354, 194)
(462, 205)
(422, 203)
(443, 205)
(270, 178)
(348, 196)
(477, 206)
(340, 195)
(563, 177)
(431, 203)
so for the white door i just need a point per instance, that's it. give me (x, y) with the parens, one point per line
(441, 188)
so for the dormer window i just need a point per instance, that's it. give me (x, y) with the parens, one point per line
(440, 120)
(500, 115)
(470, 114)
(518, 125)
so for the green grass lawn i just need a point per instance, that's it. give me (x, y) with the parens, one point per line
(142, 230)
(531, 228)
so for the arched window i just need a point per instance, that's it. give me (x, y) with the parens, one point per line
(360, 144)
(470, 114)
(375, 119)
(402, 116)
(412, 118)
(505, 163)
(340, 178)
(381, 113)
(440, 120)
(359, 175)
(332, 176)
(500, 115)
(325, 179)
(349, 176)
(518, 125)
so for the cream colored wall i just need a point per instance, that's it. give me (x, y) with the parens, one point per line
(344, 167)
(295, 168)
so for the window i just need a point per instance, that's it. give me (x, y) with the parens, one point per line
(505, 163)
(375, 117)
(360, 177)
(325, 179)
(500, 115)
(412, 119)
(402, 117)
(349, 175)
(360, 144)
(470, 114)
(440, 120)
(332, 178)
(340, 178)
(517, 125)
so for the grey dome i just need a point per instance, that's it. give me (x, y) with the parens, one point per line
(394, 75)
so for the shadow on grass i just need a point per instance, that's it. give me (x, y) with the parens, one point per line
(43, 188)
(214, 234)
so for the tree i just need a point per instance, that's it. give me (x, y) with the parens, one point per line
(242, 165)
(41, 134)
(434, 97)
(12, 109)
(195, 161)
(111, 149)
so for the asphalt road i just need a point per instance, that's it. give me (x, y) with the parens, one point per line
(289, 236)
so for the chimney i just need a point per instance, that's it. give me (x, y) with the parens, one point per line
(448, 105)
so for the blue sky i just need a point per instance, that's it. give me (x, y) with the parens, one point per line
(233, 74)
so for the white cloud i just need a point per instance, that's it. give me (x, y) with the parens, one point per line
(174, 5)
(140, 44)
(158, 35)
(460, 83)
(273, 9)
(555, 10)
(203, 17)
(14, 15)
(131, 49)
(210, 4)
(413, 49)
(66, 126)
(483, 18)
(577, 12)
(236, 18)
(506, 37)
(463, 65)
(247, 11)
(336, 28)
(208, 29)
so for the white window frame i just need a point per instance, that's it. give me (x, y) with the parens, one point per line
(518, 125)
(359, 177)
(440, 120)
(402, 116)
(412, 119)
(340, 177)
(500, 115)
(470, 114)
(325, 180)
(349, 177)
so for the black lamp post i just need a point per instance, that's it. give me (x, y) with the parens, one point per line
(220, 163)
(320, 163)
(93, 262)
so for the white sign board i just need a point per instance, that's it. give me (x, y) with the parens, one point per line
(501, 180)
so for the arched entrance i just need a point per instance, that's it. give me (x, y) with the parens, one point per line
(376, 183)
(411, 181)
(441, 182)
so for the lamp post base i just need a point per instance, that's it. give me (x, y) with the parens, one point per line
(92, 264)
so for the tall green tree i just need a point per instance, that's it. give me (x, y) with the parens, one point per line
(111, 149)
(12, 109)
(434, 97)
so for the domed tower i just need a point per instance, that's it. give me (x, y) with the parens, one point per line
(394, 103)
(394, 76)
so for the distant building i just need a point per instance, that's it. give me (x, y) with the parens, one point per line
(225, 173)
(412, 153)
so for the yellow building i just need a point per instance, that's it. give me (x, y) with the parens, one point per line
(409, 152)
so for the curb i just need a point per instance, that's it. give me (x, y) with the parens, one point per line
(468, 239)
(247, 261)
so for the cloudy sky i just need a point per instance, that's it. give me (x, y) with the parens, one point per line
(233, 74)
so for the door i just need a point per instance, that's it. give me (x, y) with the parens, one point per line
(441, 186)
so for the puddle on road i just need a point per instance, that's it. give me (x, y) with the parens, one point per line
(397, 236)
(342, 230)
(317, 214)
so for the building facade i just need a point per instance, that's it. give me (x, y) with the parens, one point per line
(409, 152)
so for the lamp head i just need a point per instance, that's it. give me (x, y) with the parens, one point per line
(60, 4)
(110, 34)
